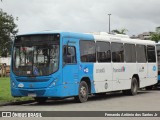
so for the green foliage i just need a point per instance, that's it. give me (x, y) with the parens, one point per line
(121, 31)
(8, 29)
(155, 36)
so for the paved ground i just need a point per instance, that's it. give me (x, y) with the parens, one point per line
(144, 101)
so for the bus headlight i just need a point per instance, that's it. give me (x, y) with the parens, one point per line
(20, 85)
(53, 83)
(13, 84)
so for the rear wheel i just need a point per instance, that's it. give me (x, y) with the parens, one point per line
(40, 99)
(134, 88)
(82, 92)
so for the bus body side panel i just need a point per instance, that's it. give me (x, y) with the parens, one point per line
(152, 74)
(86, 71)
(122, 75)
(103, 77)
(142, 72)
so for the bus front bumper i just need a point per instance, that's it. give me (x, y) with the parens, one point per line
(57, 91)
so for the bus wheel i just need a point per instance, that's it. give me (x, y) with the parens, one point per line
(134, 88)
(82, 92)
(40, 99)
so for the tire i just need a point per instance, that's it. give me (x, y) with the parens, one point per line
(134, 88)
(40, 99)
(82, 92)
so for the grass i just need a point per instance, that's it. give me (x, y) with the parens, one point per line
(5, 92)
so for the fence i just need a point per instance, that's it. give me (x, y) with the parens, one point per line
(6, 60)
(4, 70)
(5, 66)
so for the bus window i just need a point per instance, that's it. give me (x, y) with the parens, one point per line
(88, 51)
(130, 53)
(103, 51)
(141, 53)
(69, 54)
(151, 54)
(117, 52)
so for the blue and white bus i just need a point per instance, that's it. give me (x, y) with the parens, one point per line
(67, 64)
(158, 60)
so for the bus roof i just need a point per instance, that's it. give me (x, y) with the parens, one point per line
(98, 36)
(121, 38)
(83, 36)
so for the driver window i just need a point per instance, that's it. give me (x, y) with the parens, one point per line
(69, 55)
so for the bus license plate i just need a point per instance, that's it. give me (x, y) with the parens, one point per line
(31, 94)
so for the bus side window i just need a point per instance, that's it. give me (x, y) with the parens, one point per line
(103, 51)
(117, 52)
(88, 51)
(141, 53)
(69, 55)
(151, 54)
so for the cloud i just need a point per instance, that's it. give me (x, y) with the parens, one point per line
(84, 15)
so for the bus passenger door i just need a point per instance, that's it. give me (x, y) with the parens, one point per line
(152, 65)
(70, 66)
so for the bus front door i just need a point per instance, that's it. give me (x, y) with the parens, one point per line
(70, 67)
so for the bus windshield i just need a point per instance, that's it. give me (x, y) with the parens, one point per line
(36, 55)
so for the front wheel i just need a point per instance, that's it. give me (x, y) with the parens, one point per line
(82, 92)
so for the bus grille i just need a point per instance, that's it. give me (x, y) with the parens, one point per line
(37, 92)
(32, 80)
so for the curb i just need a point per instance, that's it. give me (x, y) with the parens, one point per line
(16, 103)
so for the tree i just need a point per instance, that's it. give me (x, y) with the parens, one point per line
(8, 29)
(155, 36)
(121, 31)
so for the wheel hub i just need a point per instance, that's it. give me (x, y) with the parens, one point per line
(83, 91)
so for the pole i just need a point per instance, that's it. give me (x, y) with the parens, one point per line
(109, 23)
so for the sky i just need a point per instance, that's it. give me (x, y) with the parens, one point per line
(137, 16)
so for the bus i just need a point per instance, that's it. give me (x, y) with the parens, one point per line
(158, 60)
(67, 64)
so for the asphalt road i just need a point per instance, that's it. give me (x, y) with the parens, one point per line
(144, 101)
